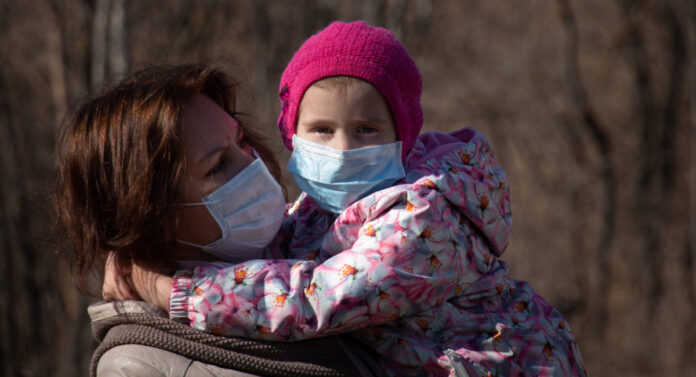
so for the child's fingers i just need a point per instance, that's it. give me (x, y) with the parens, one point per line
(116, 285)
(151, 286)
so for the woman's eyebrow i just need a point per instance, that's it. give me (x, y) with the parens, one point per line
(211, 153)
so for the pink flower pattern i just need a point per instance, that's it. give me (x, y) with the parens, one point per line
(413, 271)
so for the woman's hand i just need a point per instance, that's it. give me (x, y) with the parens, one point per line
(124, 280)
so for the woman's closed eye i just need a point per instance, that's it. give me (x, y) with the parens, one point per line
(218, 167)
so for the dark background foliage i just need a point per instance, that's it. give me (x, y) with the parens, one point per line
(590, 106)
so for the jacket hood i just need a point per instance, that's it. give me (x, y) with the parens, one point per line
(462, 166)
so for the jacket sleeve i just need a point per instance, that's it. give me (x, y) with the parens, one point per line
(407, 251)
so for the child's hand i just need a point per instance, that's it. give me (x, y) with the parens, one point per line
(129, 281)
(116, 285)
(153, 287)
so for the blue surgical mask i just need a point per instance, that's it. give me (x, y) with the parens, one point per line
(336, 178)
(249, 209)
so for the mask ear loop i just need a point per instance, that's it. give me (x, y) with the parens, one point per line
(190, 244)
(189, 205)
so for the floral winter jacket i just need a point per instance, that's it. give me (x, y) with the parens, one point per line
(412, 271)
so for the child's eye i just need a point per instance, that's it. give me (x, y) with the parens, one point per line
(367, 129)
(322, 130)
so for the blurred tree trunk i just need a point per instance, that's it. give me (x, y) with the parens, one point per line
(590, 106)
(42, 320)
(118, 62)
(109, 60)
(99, 38)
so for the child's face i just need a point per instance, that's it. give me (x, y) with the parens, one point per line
(345, 116)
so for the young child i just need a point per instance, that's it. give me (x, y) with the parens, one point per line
(396, 237)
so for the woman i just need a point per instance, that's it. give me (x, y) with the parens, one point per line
(160, 172)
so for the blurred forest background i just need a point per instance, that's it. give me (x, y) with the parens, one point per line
(590, 105)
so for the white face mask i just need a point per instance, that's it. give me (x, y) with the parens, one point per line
(249, 210)
(337, 178)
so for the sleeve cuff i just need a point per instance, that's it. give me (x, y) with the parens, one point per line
(179, 298)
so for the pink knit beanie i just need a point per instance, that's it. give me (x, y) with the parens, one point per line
(362, 51)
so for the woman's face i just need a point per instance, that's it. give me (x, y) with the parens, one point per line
(213, 155)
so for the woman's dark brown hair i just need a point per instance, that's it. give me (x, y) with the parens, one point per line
(121, 165)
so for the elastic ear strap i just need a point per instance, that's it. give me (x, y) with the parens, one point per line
(190, 243)
(189, 204)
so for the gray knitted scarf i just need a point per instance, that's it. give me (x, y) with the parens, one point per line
(315, 357)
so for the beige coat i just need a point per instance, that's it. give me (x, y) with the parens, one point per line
(136, 360)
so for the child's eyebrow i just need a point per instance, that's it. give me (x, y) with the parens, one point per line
(318, 121)
(371, 120)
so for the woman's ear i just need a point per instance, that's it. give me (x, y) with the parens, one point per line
(243, 144)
